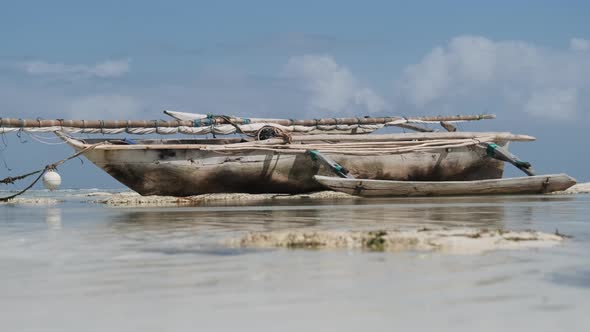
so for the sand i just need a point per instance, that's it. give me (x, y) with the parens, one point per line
(455, 241)
(580, 188)
(97, 194)
(33, 201)
(134, 199)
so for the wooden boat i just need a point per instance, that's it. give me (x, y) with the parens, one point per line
(281, 156)
(191, 166)
(509, 186)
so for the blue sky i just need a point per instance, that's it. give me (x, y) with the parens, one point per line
(526, 61)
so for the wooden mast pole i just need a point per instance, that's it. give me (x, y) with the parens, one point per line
(218, 120)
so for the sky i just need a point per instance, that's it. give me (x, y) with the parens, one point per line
(528, 62)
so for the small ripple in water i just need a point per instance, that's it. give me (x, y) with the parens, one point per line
(215, 251)
(574, 278)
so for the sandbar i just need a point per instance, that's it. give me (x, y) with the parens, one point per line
(455, 241)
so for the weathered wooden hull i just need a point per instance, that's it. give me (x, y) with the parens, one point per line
(184, 171)
(510, 186)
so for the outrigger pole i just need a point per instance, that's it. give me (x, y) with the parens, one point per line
(213, 120)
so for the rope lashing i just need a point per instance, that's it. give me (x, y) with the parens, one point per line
(208, 121)
(491, 149)
(267, 132)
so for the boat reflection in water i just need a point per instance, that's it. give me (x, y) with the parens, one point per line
(493, 212)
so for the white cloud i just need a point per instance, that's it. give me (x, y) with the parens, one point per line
(516, 75)
(468, 74)
(556, 103)
(579, 44)
(110, 106)
(332, 87)
(106, 69)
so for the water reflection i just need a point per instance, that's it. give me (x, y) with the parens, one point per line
(478, 212)
(265, 218)
(53, 218)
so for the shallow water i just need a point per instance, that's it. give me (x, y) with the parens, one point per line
(78, 266)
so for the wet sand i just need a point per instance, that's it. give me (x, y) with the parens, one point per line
(454, 241)
(129, 199)
(33, 201)
(133, 199)
(580, 188)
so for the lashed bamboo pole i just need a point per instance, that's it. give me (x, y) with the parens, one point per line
(218, 120)
(501, 136)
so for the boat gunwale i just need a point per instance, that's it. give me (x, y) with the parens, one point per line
(301, 140)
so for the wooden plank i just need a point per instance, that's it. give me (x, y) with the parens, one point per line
(383, 188)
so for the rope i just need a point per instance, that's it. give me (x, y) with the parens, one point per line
(7, 198)
(42, 171)
(355, 148)
(40, 140)
(276, 132)
(285, 135)
(10, 179)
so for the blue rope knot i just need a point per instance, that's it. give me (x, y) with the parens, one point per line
(246, 121)
(203, 122)
(313, 154)
(491, 149)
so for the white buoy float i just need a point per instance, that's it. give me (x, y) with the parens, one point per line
(51, 180)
